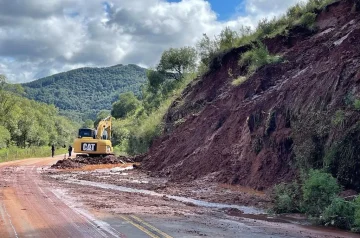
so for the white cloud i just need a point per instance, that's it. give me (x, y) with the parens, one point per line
(41, 37)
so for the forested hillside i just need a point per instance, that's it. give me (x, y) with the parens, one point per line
(81, 93)
(26, 123)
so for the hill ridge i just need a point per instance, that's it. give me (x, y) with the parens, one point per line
(81, 93)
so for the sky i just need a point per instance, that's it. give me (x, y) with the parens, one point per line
(43, 37)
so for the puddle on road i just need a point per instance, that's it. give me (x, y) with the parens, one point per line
(245, 209)
(114, 170)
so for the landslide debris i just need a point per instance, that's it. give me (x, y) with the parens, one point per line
(303, 112)
(79, 161)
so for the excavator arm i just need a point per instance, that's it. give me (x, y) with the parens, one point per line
(104, 125)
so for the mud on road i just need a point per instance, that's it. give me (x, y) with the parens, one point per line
(192, 209)
(115, 200)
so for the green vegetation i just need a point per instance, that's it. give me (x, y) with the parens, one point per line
(238, 81)
(286, 198)
(257, 57)
(357, 104)
(81, 93)
(15, 153)
(27, 127)
(134, 133)
(307, 20)
(318, 192)
(177, 61)
(318, 197)
(339, 118)
(339, 213)
(212, 50)
(357, 213)
(127, 103)
(140, 120)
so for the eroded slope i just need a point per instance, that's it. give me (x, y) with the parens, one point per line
(297, 113)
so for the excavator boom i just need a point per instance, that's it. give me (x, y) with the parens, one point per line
(104, 125)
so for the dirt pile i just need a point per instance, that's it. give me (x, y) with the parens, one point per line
(300, 112)
(79, 162)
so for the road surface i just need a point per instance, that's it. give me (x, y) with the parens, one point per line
(31, 206)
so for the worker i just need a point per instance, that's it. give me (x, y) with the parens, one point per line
(52, 150)
(70, 150)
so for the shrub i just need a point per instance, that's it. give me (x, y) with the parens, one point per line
(238, 81)
(357, 104)
(258, 57)
(339, 213)
(295, 12)
(286, 198)
(343, 158)
(307, 20)
(339, 119)
(246, 36)
(227, 39)
(271, 28)
(318, 191)
(357, 213)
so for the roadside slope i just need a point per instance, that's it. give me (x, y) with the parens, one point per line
(303, 108)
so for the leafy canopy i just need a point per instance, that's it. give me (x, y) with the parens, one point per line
(26, 123)
(178, 61)
(81, 93)
(127, 103)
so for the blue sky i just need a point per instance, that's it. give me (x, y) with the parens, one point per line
(226, 9)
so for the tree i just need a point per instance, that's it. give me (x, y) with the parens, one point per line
(155, 79)
(7, 101)
(207, 49)
(2, 81)
(4, 137)
(127, 103)
(88, 124)
(177, 61)
(228, 39)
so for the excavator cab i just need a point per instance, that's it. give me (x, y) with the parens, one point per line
(86, 132)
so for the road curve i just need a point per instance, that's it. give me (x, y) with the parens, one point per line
(28, 208)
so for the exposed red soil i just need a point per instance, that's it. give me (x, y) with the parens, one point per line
(245, 135)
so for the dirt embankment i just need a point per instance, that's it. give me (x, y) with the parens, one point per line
(251, 134)
(80, 161)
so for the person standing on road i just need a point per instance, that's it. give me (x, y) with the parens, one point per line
(70, 150)
(52, 150)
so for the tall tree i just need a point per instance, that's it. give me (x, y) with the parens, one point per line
(127, 103)
(177, 61)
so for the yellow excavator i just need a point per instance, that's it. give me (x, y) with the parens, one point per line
(97, 142)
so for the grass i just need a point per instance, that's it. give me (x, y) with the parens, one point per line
(16, 153)
(239, 81)
(134, 135)
(356, 104)
(302, 14)
(257, 57)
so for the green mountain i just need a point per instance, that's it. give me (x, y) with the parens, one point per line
(81, 93)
